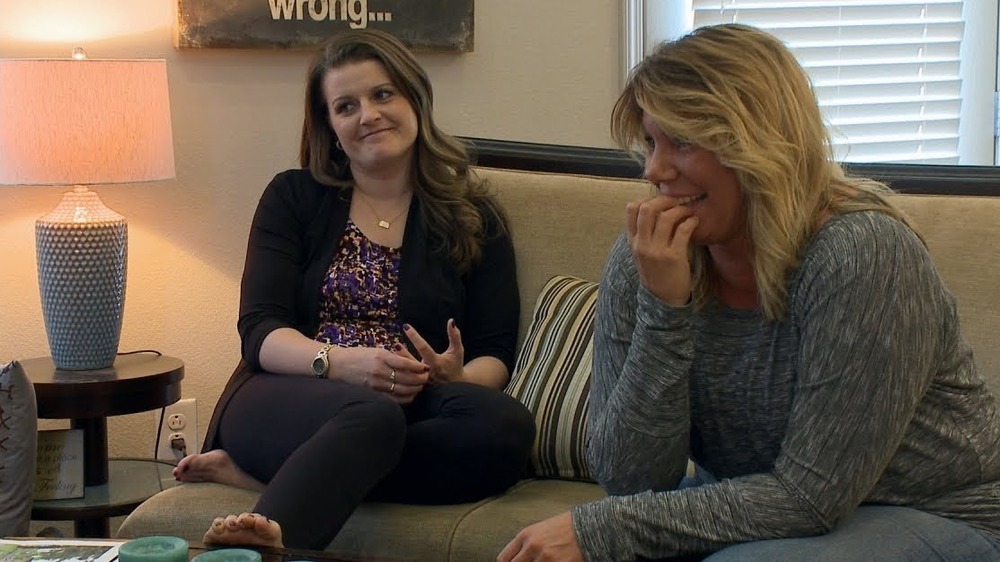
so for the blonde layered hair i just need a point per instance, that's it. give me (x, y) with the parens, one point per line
(453, 201)
(739, 92)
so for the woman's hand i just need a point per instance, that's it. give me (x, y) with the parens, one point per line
(659, 234)
(379, 369)
(444, 367)
(552, 539)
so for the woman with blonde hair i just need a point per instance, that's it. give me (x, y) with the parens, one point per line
(782, 325)
(378, 317)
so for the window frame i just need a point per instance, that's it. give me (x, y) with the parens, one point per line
(646, 21)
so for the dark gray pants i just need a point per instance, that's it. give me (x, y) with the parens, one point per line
(323, 446)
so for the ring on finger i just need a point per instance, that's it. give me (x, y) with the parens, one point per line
(392, 386)
(392, 377)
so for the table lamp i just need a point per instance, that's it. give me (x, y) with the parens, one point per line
(79, 122)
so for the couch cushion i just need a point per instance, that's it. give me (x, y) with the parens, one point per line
(560, 224)
(185, 510)
(383, 531)
(374, 529)
(552, 375)
(483, 532)
(960, 233)
(18, 444)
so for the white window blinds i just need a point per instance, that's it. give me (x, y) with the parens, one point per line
(886, 73)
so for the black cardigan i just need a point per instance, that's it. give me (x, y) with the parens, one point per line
(293, 238)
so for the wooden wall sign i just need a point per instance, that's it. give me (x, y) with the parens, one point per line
(291, 24)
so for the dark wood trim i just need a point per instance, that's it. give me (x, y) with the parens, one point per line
(906, 178)
(537, 157)
(933, 179)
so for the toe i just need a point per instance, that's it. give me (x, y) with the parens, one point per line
(247, 520)
(265, 526)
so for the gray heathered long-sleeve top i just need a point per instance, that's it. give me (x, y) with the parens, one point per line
(865, 394)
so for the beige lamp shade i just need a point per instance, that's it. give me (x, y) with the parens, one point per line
(77, 123)
(84, 122)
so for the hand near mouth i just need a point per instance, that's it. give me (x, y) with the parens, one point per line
(659, 232)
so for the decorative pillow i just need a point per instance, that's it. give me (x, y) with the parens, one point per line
(552, 376)
(18, 439)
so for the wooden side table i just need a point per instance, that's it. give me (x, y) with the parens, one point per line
(135, 383)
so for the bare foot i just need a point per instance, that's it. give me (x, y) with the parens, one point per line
(215, 466)
(249, 529)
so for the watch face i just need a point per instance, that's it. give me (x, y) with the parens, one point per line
(319, 366)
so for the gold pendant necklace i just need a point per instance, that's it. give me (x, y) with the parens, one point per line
(382, 223)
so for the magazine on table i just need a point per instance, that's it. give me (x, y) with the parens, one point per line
(58, 550)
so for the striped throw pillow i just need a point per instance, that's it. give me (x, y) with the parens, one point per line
(552, 376)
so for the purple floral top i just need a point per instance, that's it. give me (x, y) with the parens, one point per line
(360, 295)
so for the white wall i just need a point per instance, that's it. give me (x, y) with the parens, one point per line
(541, 71)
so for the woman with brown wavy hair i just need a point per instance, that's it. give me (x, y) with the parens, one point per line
(378, 317)
(782, 325)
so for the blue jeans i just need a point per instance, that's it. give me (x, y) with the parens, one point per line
(873, 533)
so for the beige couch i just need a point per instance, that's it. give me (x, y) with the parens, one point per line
(564, 224)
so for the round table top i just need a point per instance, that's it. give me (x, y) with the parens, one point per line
(135, 383)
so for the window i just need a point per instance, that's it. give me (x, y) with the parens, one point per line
(898, 81)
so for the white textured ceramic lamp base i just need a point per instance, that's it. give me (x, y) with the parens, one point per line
(81, 278)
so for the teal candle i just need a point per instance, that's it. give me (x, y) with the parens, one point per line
(154, 549)
(228, 555)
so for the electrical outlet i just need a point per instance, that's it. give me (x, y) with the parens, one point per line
(176, 421)
(177, 431)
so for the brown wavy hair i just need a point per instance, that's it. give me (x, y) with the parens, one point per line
(453, 201)
(739, 92)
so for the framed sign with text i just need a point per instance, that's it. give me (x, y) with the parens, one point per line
(292, 24)
(59, 466)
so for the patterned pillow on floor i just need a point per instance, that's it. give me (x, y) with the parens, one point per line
(18, 442)
(552, 375)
